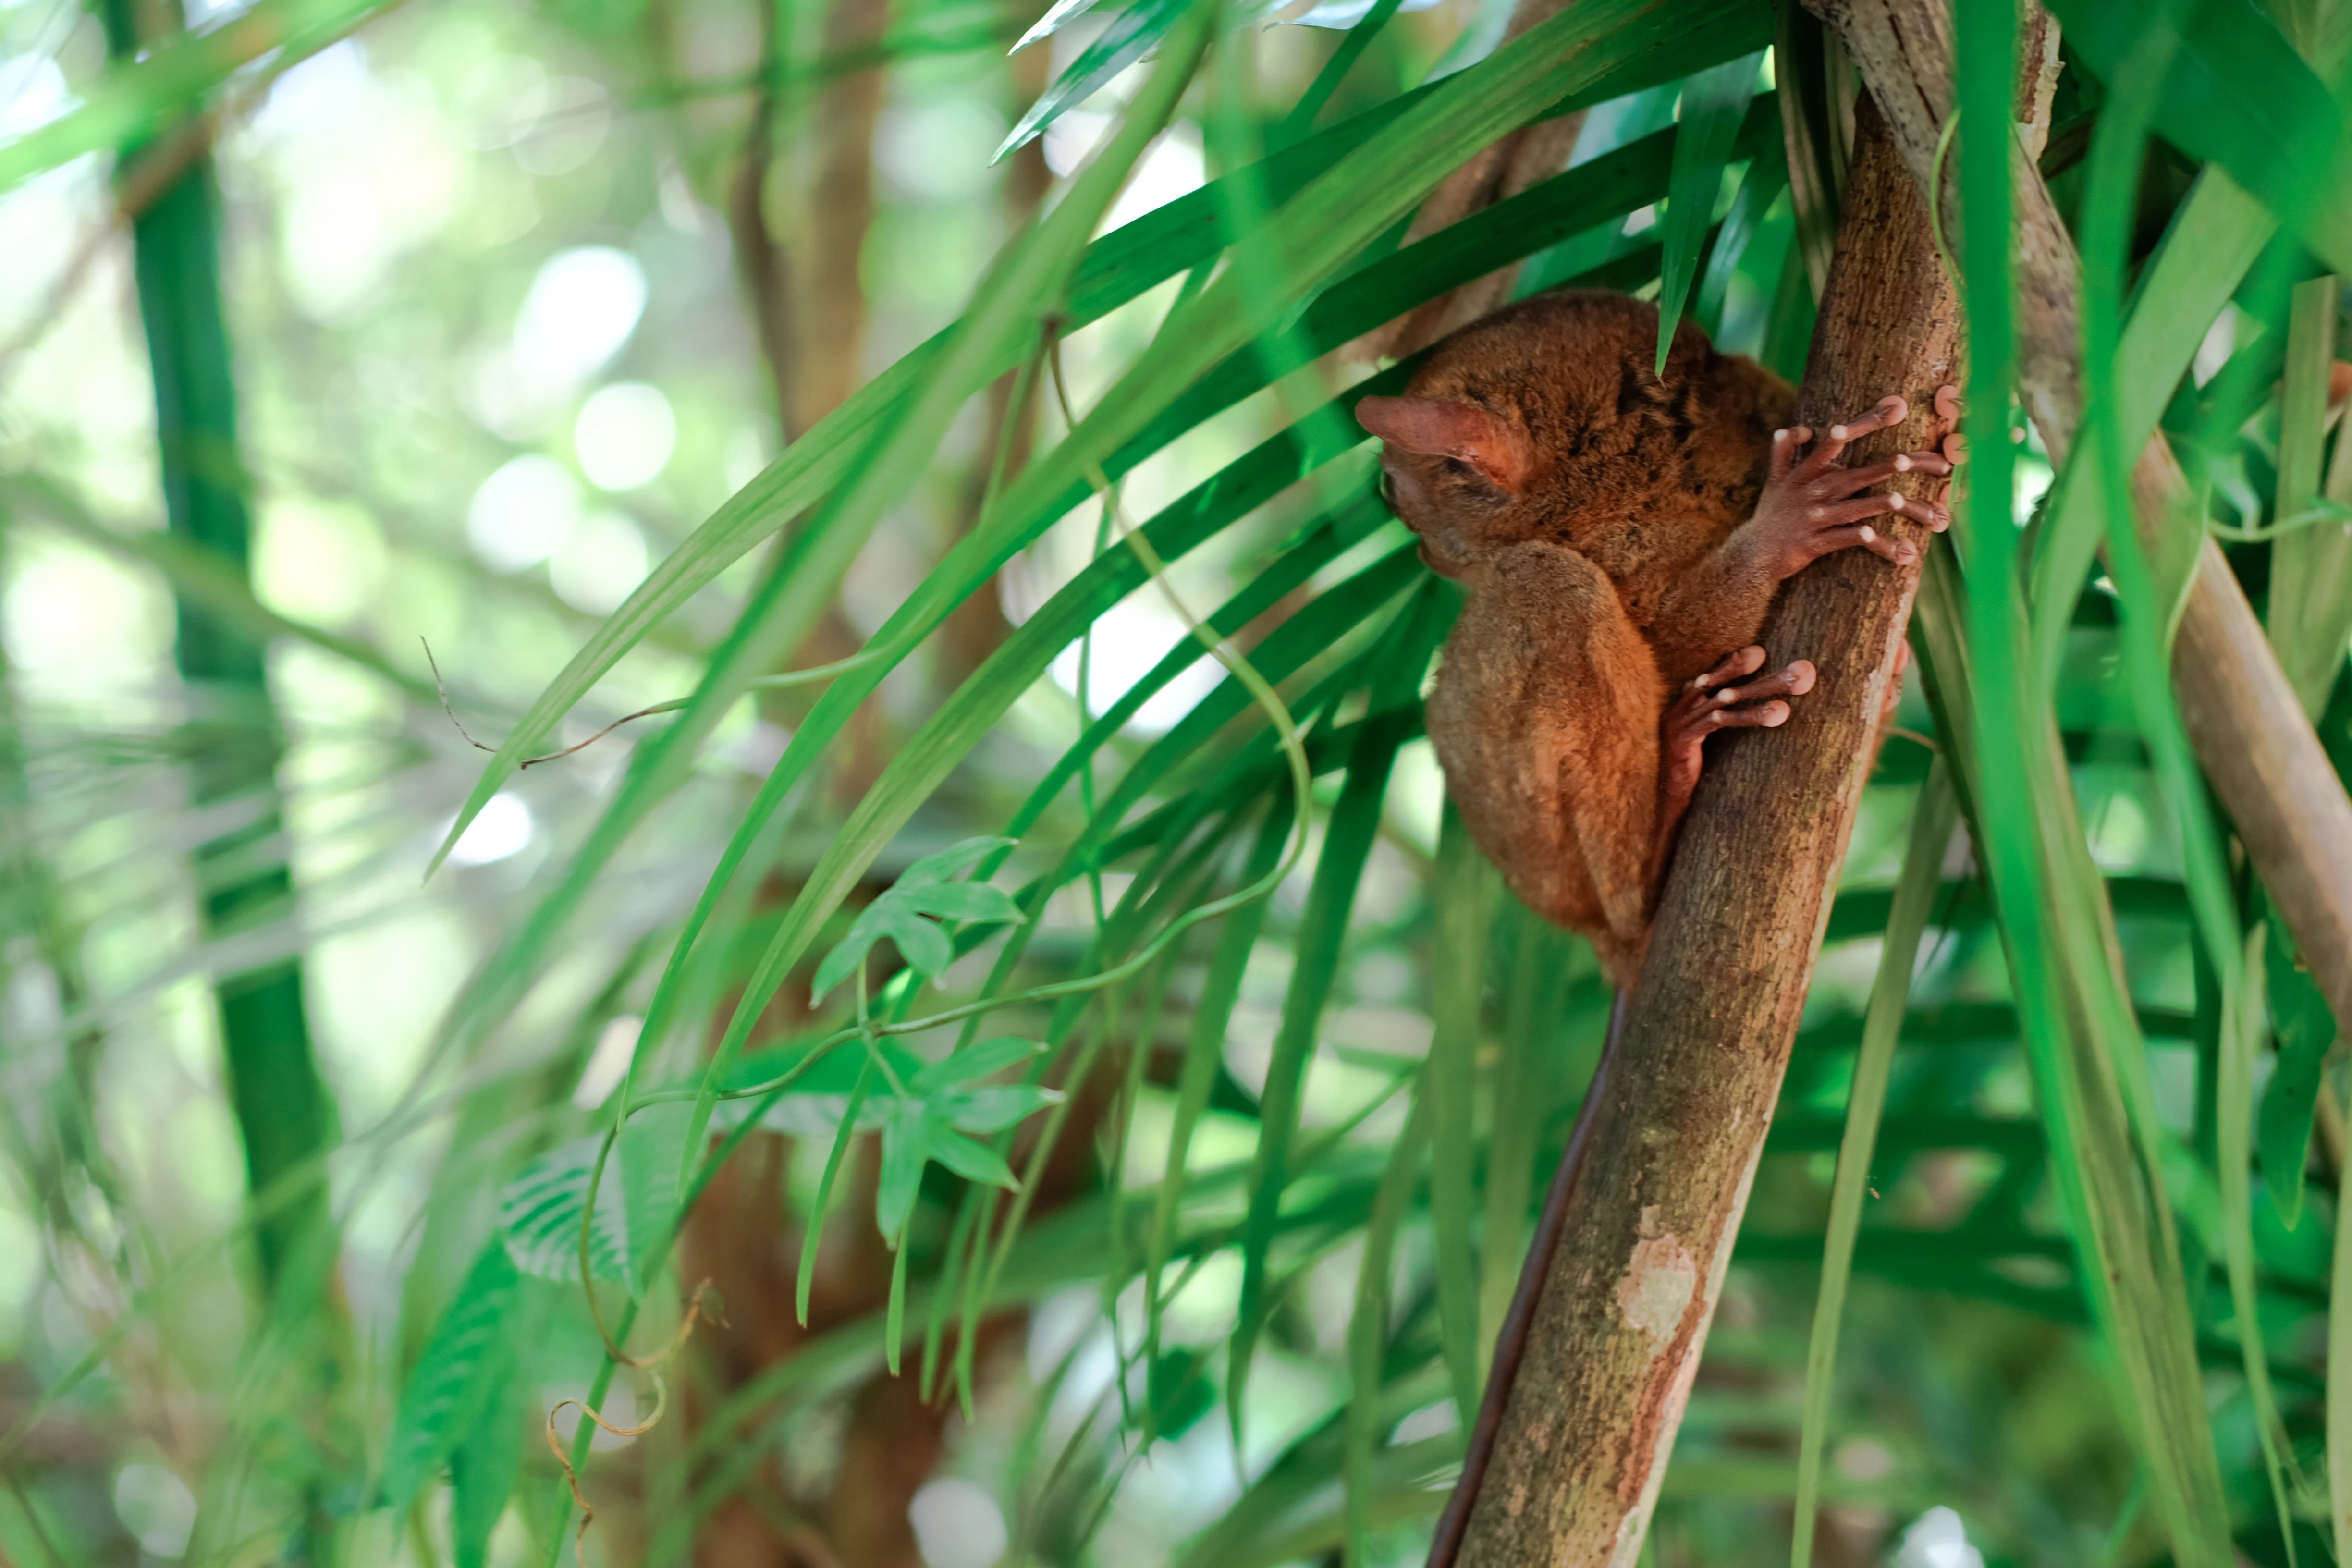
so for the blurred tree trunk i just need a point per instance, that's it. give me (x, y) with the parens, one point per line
(810, 308)
(743, 1235)
(977, 627)
(1526, 157)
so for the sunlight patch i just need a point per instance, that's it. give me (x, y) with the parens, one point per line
(502, 829)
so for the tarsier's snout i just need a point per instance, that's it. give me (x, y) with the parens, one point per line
(1442, 548)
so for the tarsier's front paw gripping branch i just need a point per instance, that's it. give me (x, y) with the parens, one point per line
(1811, 507)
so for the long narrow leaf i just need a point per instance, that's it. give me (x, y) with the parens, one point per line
(1713, 104)
(1465, 894)
(1339, 868)
(1915, 892)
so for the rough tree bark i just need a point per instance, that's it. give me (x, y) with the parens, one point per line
(1597, 1361)
(2242, 715)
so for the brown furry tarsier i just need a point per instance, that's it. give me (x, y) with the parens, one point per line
(1621, 535)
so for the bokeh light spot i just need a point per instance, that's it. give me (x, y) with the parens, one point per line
(156, 1506)
(957, 1524)
(523, 513)
(600, 565)
(502, 828)
(580, 309)
(624, 435)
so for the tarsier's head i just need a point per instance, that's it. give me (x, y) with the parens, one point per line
(1453, 471)
(1549, 419)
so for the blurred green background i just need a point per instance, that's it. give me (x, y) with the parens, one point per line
(469, 313)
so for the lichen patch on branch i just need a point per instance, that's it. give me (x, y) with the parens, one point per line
(1659, 1282)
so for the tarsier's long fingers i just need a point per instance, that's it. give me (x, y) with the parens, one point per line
(1784, 451)
(1733, 667)
(1840, 482)
(1890, 412)
(1829, 541)
(1838, 513)
(1947, 409)
(1846, 481)
(1793, 682)
(1954, 447)
(1756, 704)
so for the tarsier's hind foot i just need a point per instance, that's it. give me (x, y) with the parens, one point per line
(1731, 696)
(1725, 698)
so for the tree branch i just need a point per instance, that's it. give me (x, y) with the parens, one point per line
(2250, 731)
(1567, 1458)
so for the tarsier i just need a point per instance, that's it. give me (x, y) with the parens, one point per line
(1620, 535)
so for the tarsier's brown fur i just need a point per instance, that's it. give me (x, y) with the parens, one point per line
(1614, 533)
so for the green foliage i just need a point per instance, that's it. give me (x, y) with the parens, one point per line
(1711, 106)
(1135, 31)
(458, 1386)
(942, 1103)
(541, 1211)
(2306, 1031)
(1179, 1011)
(922, 888)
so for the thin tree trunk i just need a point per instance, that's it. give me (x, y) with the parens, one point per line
(2243, 717)
(977, 627)
(1589, 1383)
(830, 330)
(284, 1113)
(1526, 157)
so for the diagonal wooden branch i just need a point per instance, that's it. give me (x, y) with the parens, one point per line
(2249, 730)
(1589, 1383)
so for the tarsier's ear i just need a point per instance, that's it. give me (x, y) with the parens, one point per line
(1441, 427)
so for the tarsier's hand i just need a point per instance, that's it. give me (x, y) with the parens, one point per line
(1812, 506)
